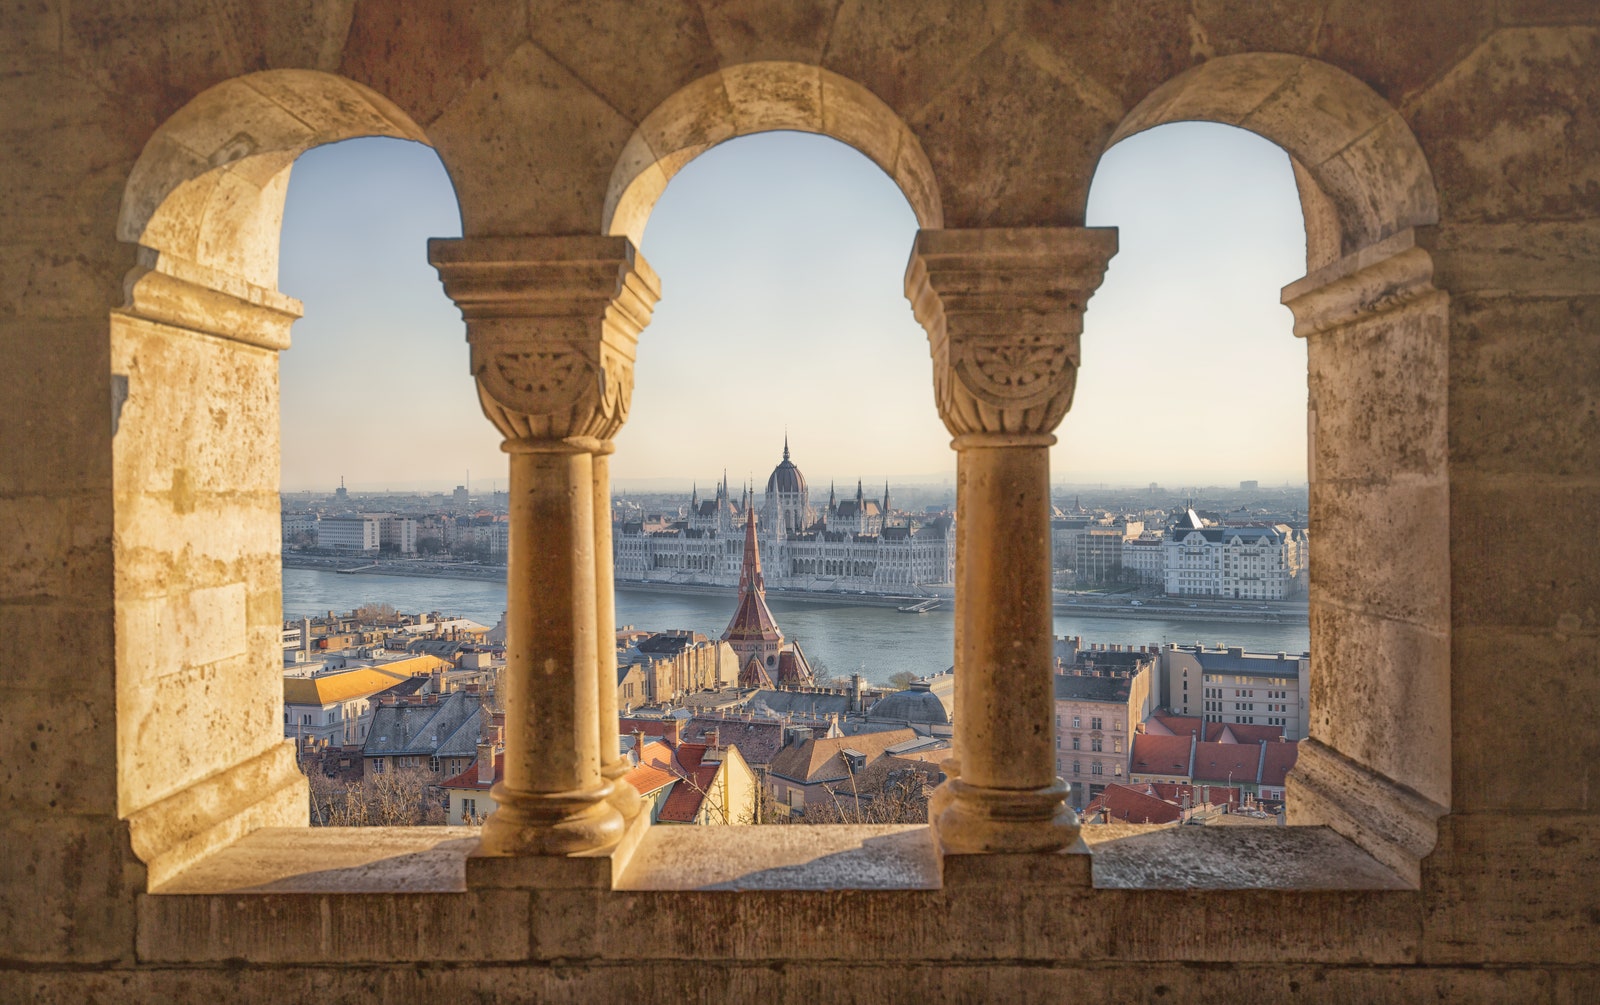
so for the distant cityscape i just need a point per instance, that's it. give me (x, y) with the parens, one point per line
(398, 719)
(1247, 543)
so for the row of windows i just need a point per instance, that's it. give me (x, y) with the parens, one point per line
(1095, 722)
(1096, 744)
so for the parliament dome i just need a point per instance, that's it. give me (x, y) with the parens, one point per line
(786, 478)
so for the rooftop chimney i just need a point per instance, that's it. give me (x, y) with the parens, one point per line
(486, 764)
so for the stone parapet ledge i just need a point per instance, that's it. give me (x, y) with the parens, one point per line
(1198, 894)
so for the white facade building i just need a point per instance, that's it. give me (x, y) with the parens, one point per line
(348, 533)
(1240, 563)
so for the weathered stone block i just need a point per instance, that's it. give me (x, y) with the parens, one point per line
(1381, 547)
(1378, 392)
(1515, 560)
(1380, 692)
(1523, 375)
(1534, 759)
(1517, 888)
(547, 122)
(180, 727)
(55, 548)
(66, 889)
(352, 927)
(61, 441)
(57, 751)
(590, 39)
(1508, 131)
(993, 174)
(201, 414)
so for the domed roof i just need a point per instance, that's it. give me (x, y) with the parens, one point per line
(786, 477)
(918, 704)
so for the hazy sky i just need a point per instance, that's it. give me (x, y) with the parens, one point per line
(781, 258)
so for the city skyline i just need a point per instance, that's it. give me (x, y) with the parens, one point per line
(807, 237)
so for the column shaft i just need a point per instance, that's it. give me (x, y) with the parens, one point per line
(1004, 697)
(552, 798)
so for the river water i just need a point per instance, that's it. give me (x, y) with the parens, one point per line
(877, 641)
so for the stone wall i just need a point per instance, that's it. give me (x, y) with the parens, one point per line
(1448, 155)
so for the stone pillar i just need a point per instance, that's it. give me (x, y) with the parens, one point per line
(553, 322)
(1003, 309)
(1376, 765)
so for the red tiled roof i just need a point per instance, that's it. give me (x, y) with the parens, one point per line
(648, 778)
(468, 779)
(1231, 762)
(1154, 754)
(1180, 725)
(684, 801)
(1245, 733)
(1130, 805)
(1276, 760)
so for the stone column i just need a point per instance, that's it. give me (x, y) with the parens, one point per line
(553, 322)
(1003, 309)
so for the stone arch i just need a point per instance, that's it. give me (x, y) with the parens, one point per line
(1376, 763)
(761, 97)
(209, 186)
(1362, 174)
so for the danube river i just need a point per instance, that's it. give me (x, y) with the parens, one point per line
(878, 641)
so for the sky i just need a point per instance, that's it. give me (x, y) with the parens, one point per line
(782, 257)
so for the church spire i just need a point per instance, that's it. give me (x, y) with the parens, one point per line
(785, 444)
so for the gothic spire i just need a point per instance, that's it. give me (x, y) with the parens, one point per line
(785, 444)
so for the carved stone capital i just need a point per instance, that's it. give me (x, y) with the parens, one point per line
(553, 323)
(1003, 309)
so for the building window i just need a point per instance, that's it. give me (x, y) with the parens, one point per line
(1077, 722)
(1077, 768)
(1095, 768)
(1096, 744)
(1077, 743)
(1094, 723)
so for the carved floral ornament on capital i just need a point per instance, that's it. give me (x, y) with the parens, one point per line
(553, 324)
(1003, 329)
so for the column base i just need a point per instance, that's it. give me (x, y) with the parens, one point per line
(623, 796)
(551, 823)
(583, 870)
(972, 820)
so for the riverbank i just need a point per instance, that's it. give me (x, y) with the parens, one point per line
(1129, 607)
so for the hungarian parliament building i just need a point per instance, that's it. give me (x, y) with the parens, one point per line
(851, 545)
